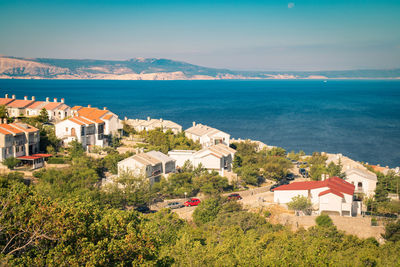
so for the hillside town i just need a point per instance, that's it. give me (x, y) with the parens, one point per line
(157, 151)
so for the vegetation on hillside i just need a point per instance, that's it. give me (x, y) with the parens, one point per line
(254, 166)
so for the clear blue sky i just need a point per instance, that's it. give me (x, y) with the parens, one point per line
(252, 35)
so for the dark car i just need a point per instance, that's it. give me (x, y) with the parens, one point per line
(234, 196)
(290, 177)
(274, 186)
(144, 209)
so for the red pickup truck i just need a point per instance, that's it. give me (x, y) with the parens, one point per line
(192, 202)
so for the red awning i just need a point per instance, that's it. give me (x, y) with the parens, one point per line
(29, 157)
(42, 155)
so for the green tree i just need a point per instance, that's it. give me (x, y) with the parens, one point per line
(75, 149)
(4, 113)
(300, 203)
(207, 210)
(43, 116)
(11, 162)
(392, 231)
(129, 190)
(324, 220)
(277, 151)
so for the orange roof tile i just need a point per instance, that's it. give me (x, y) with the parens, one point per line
(36, 104)
(92, 113)
(63, 107)
(107, 117)
(2, 131)
(52, 105)
(20, 103)
(84, 120)
(5, 101)
(24, 127)
(10, 128)
(76, 108)
(76, 121)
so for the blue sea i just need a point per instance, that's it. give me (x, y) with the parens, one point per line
(358, 118)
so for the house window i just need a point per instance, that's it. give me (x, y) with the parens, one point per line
(66, 129)
(359, 185)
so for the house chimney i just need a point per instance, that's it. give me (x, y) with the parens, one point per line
(194, 123)
(125, 118)
(105, 108)
(13, 96)
(89, 106)
(161, 120)
(62, 100)
(148, 118)
(6, 95)
(55, 99)
(47, 99)
(25, 98)
(33, 98)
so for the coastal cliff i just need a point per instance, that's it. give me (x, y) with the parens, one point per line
(157, 69)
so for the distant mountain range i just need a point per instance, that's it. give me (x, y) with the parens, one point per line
(158, 69)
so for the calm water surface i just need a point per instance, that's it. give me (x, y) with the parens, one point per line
(360, 119)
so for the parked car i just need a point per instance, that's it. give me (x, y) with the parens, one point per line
(174, 205)
(192, 202)
(290, 177)
(274, 186)
(144, 209)
(234, 196)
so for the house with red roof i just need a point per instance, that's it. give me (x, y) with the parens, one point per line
(111, 121)
(17, 107)
(56, 111)
(333, 195)
(18, 140)
(89, 132)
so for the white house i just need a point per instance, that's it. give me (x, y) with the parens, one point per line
(17, 107)
(332, 195)
(206, 135)
(18, 139)
(151, 124)
(21, 140)
(168, 163)
(111, 121)
(88, 132)
(217, 158)
(363, 180)
(142, 164)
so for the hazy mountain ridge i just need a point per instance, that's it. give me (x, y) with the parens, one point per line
(156, 69)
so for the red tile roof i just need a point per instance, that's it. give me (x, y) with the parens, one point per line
(63, 107)
(36, 104)
(10, 128)
(5, 101)
(335, 184)
(76, 108)
(5, 132)
(52, 105)
(331, 191)
(24, 127)
(92, 113)
(107, 117)
(76, 121)
(20, 103)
